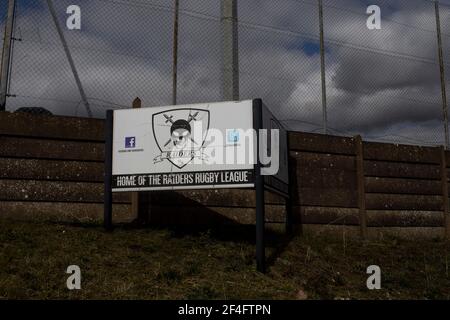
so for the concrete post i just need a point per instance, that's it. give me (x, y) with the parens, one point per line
(6, 54)
(442, 75)
(69, 57)
(230, 50)
(175, 52)
(322, 70)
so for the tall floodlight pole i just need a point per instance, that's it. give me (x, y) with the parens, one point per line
(230, 50)
(442, 74)
(69, 57)
(6, 54)
(322, 70)
(175, 52)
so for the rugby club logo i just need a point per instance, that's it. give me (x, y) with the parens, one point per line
(174, 133)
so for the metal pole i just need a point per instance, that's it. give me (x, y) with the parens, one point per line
(361, 188)
(230, 50)
(135, 195)
(289, 202)
(6, 54)
(260, 223)
(175, 52)
(322, 69)
(444, 188)
(259, 191)
(107, 200)
(442, 73)
(69, 57)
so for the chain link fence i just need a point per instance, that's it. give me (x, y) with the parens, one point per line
(383, 84)
(445, 25)
(3, 13)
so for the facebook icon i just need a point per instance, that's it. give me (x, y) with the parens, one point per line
(130, 142)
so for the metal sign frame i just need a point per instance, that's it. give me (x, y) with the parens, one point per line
(260, 184)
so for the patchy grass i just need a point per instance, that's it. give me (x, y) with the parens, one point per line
(172, 264)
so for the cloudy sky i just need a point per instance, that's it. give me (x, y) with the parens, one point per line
(383, 83)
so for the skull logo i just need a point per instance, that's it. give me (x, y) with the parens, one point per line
(180, 133)
(185, 141)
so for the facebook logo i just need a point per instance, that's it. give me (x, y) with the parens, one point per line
(130, 142)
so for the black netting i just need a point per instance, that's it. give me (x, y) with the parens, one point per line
(383, 84)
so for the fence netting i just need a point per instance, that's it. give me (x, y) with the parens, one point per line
(3, 11)
(383, 84)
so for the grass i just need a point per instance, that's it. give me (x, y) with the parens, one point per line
(175, 264)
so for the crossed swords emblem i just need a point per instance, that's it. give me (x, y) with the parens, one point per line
(169, 118)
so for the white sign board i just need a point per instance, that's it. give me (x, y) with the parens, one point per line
(184, 147)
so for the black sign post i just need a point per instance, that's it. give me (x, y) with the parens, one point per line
(259, 189)
(288, 197)
(107, 214)
(271, 184)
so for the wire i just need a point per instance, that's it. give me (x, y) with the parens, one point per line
(46, 99)
(319, 126)
(190, 12)
(11, 51)
(256, 75)
(100, 50)
(343, 43)
(266, 28)
(364, 15)
(109, 102)
(278, 30)
(370, 137)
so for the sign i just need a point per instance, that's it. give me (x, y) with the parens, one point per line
(213, 145)
(209, 145)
